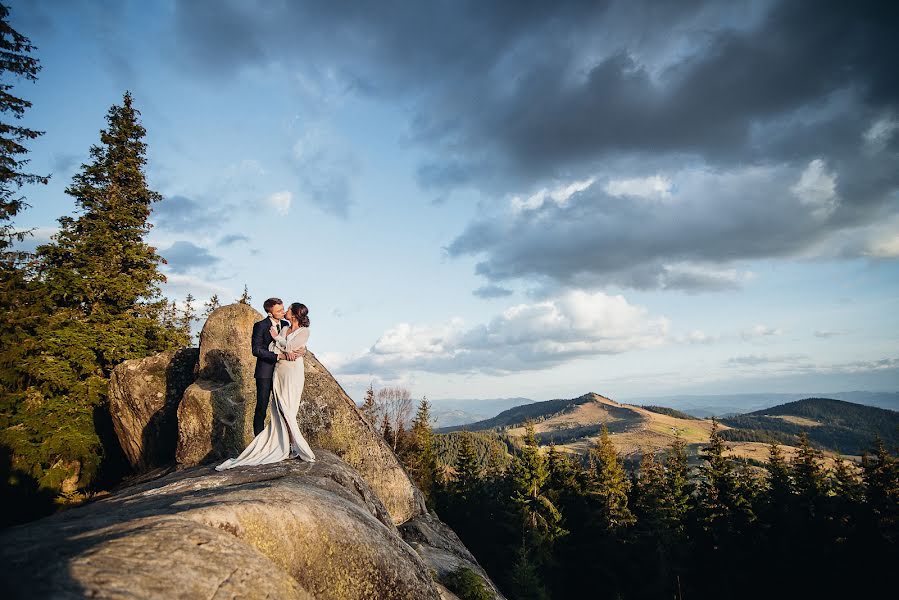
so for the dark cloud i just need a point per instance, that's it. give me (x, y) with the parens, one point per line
(185, 256)
(528, 90)
(694, 238)
(510, 97)
(63, 163)
(233, 238)
(492, 291)
(180, 213)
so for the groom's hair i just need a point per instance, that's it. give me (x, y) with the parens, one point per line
(268, 304)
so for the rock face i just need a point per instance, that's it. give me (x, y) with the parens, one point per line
(143, 401)
(329, 419)
(286, 530)
(215, 417)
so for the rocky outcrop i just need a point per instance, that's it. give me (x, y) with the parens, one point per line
(330, 420)
(287, 530)
(215, 416)
(143, 402)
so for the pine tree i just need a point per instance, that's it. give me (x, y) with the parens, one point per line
(809, 478)
(525, 579)
(650, 496)
(368, 408)
(779, 488)
(467, 473)
(880, 473)
(188, 316)
(529, 475)
(17, 62)
(718, 484)
(422, 459)
(100, 281)
(245, 297)
(609, 485)
(212, 304)
(387, 430)
(679, 486)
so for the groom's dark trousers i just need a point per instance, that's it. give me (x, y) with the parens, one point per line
(265, 369)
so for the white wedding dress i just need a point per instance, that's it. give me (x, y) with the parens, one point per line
(281, 438)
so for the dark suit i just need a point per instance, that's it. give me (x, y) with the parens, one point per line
(265, 369)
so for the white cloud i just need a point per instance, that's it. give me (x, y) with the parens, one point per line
(753, 360)
(655, 187)
(881, 131)
(560, 196)
(817, 189)
(760, 331)
(693, 277)
(696, 336)
(884, 246)
(523, 337)
(279, 201)
(827, 333)
(37, 236)
(179, 285)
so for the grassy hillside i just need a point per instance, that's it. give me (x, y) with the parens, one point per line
(835, 425)
(519, 414)
(574, 426)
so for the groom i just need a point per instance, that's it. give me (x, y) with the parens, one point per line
(266, 359)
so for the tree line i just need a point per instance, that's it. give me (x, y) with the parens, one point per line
(547, 524)
(75, 307)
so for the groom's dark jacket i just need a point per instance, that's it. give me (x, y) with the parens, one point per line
(265, 359)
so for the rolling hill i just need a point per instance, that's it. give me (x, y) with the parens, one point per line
(574, 426)
(836, 425)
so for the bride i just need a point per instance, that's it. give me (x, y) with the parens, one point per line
(281, 438)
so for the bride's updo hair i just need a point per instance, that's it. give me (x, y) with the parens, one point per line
(301, 313)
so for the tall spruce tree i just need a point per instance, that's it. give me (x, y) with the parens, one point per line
(529, 476)
(809, 478)
(880, 472)
(98, 283)
(609, 484)
(16, 63)
(678, 485)
(778, 494)
(421, 458)
(717, 486)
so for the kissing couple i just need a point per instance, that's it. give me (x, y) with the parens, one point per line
(279, 344)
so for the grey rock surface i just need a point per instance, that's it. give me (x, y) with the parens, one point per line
(330, 419)
(441, 548)
(144, 395)
(287, 530)
(215, 416)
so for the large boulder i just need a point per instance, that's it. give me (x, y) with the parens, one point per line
(330, 419)
(215, 417)
(287, 530)
(143, 402)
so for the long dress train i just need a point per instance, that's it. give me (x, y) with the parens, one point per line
(281, 437)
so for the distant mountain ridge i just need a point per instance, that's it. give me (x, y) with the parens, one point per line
(837, 425)
(447, 412)
(708, 405)
(573, 425)
(519, 414)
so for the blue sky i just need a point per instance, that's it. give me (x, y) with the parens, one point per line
(511, 199)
